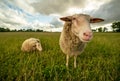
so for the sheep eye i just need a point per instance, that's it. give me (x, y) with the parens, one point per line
(74, 18)
(34, 46)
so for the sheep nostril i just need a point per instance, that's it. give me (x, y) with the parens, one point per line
(87, 34)
(84, 34)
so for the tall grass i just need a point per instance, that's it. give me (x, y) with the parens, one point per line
(100, 60)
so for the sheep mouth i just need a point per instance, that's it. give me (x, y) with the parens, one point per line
(85, 40)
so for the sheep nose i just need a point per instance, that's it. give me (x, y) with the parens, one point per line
(87, 34)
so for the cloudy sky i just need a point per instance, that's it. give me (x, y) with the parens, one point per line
(45, 14)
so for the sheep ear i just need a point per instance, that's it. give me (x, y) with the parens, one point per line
(96, 20)
(68, 18)
(38, 40)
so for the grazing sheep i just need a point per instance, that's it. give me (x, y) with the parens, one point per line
(75, 34)
(31, 44)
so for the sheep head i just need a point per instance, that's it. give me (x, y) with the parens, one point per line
(80, 25)
(35, 45)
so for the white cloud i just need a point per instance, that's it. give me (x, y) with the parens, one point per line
(16, 14)
(74, 10)
(57, 29)
(25, 4)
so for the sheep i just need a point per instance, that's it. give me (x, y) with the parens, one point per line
(75, 34)
(31, 44)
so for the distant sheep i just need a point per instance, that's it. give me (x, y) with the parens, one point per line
(75, 34)
(31, 44)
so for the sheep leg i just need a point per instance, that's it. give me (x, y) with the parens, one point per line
(67, 60)
(75, 57)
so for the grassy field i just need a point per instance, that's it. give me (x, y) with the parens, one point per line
(99, 62)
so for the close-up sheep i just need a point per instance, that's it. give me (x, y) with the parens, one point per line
(75, 34)
(31, 44)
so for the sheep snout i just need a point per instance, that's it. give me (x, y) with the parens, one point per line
(87, 36)
(38, 46)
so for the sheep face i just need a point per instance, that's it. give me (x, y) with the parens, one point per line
(80, 25)
(35, 45)
(38, 46)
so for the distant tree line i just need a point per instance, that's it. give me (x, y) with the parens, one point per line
(100, 29)
(4, 29)
(21, 30)
(115, 28)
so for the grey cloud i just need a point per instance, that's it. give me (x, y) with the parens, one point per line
(10, 22)
(109, 11)
(56, 6)
(56, 22)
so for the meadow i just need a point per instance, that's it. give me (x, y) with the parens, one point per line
(100, 60)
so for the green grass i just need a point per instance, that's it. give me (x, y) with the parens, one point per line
(100, 60)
